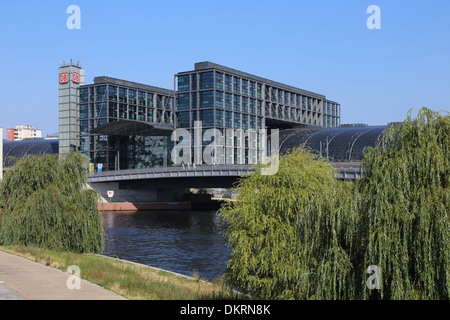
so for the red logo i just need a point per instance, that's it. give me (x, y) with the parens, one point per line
(63, 77)
(76, 77)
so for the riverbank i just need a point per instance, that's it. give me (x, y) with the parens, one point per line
(130, 280)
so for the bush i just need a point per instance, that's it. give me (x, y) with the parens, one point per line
(43, 203)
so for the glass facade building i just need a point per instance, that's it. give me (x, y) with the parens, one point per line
(223, 98)
(127, 125)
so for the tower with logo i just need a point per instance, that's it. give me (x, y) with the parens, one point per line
(71, 77)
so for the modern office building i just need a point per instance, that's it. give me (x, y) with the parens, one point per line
(126, 125)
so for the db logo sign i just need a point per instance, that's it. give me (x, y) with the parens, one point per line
(63, 77)
(76, 77)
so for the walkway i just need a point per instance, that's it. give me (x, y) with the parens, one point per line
(23, 279)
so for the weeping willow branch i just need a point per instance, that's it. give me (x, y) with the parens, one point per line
(43, 203)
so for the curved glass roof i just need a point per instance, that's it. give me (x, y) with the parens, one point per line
(338, 144)
(14, 150)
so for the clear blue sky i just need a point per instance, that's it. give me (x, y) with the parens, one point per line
(322, 46)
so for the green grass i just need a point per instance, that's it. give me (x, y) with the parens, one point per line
(132, 281)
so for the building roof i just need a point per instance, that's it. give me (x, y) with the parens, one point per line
(14, 150)
(338, 144)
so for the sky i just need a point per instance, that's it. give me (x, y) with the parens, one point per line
(324, 46)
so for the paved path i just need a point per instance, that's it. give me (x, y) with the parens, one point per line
(23, 279)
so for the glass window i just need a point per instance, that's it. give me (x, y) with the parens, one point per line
(236, 85)
(245, 121)
(150, 114)
(194, 81)
(259, 107)
(100, 93)
(194, 100)
(150, 99)
(206, 99)
(206, 80)
(244, 104)
(132, 96)
(123, 95)
(193, 117)
(280, 96)
(183, 101)
(141, 98)
(228, 101)
(252, 106)
(252, 89)
(84, 95)
(84, 111)
(219, 99)
(237, 103)
(183, 83)
(183, 119)
(228, 82)
(244, 87)
(237, 121)
(84, 126)
(123, 112)
(253, 122)
(141, 113)
(100, 109)
(228, 119)
(113, 109)
(219, 118)
(112, 93)
(219, 80)
(132, 112)
(207, 117)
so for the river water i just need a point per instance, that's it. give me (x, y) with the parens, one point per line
(185, 242)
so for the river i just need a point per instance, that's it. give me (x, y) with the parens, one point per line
(185, 242)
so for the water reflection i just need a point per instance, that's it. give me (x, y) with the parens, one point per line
(179, 241)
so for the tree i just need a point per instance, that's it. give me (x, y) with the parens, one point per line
(43, 203)
(290, 232)
(302, 234)
(405, 209)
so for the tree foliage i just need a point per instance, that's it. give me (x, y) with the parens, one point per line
(405, 209)
(43, 202)
(302, 234)
(289, 232)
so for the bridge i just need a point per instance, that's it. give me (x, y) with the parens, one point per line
(166, 184)
(200, 173)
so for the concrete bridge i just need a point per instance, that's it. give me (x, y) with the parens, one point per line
(171, 183)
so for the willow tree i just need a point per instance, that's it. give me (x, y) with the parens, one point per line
(43, 202)
(292, 233)
(405, 209)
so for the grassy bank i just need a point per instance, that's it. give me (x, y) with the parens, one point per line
(133, 281)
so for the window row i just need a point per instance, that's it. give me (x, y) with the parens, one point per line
(219, 118)
(124, 111)
(113, 93)
(221, 81)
